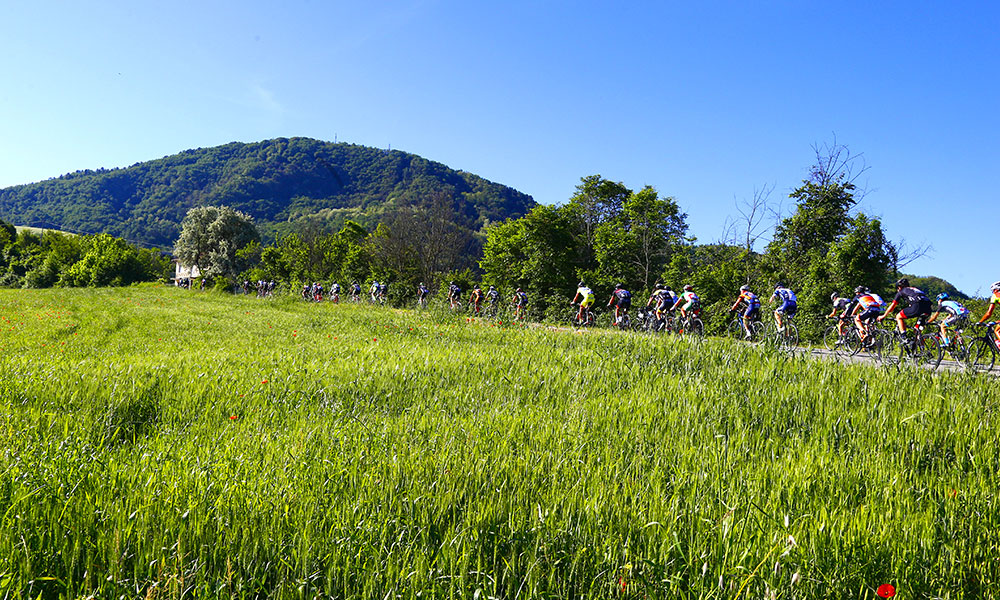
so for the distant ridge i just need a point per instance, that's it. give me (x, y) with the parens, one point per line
(282, 183)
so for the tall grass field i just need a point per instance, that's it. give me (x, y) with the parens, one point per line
(158, 443)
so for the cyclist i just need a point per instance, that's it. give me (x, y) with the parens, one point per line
(520, 304)
(454, 295)
(752, 311)
(958, 316)
(865, 308)
(621, 299)
(476, 299)
(789, 305)
(919, 304)
(305, 292)
(493, 297)
(587, 298)
(664, 299)
(373, 292)
(317, 291)
(994, 300)
(383, 292)
(691, 302)
(839, 305)
(335, 292)
(422, 293)
(355, 291)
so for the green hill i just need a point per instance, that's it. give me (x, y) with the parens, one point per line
(281, 183)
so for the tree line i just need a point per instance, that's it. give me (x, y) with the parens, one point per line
(50, 258)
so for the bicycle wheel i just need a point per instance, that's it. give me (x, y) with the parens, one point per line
(833, 341)
(696, 327)
(959, 348)
(756, 331)
(735, 330)
(981, 355)
(791, 335)
(924, 350)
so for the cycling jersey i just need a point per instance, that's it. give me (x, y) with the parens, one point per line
(493, 296)
(952, 308)
(622, 298)
(750, 298)
(477, 296)
(586, 295)
(870, 300)
(691, 300)
(422, 291)
(996, 298)
(912, 296)
(454, 291)
(522, 299)
(785, 294)
(664, 299)
(841, 304)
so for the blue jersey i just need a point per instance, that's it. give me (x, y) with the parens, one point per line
(785, 294)
(953, 308)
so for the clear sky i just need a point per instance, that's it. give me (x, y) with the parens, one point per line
(705, 101)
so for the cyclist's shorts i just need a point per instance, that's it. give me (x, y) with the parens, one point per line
(688, 306)
(869, 314)
(625, 303)
(788, 308)
(957, 320)
(588, 301)
(663, 305)
(923, 307)
(752, 311)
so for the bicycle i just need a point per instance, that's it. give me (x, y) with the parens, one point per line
(876, 341)
(588, 319)
(983, 347)
(692, 325)
(920, 348)
(837, 342)
(736, 331)
(788, 337)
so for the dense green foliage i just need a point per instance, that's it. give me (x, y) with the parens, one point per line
(50, 258)
(607, 234)
(159, 443)
(283, 184)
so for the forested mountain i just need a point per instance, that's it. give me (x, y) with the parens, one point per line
(283, 183)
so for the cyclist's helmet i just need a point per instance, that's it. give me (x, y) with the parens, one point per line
(995, 287)
(492, 288)
(778, 286)
(619, 286)
(744, 288)
(904, 282)
(519, 289)
(659, 286)
(477, 286)
(688, 287)
(834, 296)
(860, 290)
(451, 283)
(942, 296)
(581, 284)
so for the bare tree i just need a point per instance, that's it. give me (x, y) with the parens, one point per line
(744, 230)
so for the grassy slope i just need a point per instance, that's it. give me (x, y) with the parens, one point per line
(159, 439)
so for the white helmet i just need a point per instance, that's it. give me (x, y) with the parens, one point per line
(996, 286)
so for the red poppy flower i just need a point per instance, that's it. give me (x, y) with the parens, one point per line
(886, 591)
(233, 417)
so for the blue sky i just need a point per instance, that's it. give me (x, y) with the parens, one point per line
(707, 102)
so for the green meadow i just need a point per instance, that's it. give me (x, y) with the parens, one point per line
(158, 443)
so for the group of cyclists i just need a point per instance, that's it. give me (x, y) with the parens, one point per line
(664, 299)
(866, 308)
(478, 298)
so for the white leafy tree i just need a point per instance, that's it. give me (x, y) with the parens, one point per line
(210, 238)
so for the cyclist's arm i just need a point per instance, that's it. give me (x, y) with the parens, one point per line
(889, 310)
(989, 312)
(736, 304)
